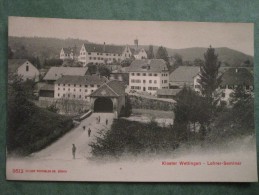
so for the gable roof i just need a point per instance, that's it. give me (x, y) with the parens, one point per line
(101, 48)
(81, 80)
(184, 74)
(137, 51)
(148, 65)
(68, 50)
(55, 73)
(113, 88)
(237, 76)
(14, 64)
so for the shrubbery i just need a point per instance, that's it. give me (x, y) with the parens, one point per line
(31, 128)
(145, 103)
(133, 138)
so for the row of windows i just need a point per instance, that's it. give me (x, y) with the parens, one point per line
(152, 88)
(164, 81)
(165, 75)
(99, 58)
(75, 90)
(144, 81)
(149, 88)
(135, 87)
(143, 74)
(77, 85)
(107, 54)
(72, 96)
(135, 81)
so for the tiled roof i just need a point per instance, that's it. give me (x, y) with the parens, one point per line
(55, 73)
(81, 80)
(101, 48)
(145, 65)
(113, 88)
(136, 51)
(237, 76)
(168, 91)
(184, 74)
(14, 64)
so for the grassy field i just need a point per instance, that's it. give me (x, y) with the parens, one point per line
(153, 113)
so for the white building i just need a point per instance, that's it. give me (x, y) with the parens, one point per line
(77, 87)
(100, 54)
(148, 75)
(109, 54)
(23, 68)
(68, 53)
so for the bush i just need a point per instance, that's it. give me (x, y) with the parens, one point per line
(128, 137)
(31, 128)
(140, 102)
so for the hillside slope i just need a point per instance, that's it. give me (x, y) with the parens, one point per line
(50, 48)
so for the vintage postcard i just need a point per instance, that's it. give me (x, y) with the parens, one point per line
(130, 101)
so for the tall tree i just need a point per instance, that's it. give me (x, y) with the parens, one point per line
(209, 82)
(150, 54)
(178, 60)
(162, 54)
(191, 109)
(209, 78)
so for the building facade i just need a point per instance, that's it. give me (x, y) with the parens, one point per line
(148, 75)
(68, 53)
(100, 54)
(77, 87)
(24, 68)
(109, 54)
(234, 77)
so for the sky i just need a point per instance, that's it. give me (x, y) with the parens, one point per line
(175, 35)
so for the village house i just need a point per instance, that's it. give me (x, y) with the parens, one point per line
(23, 68)
(234, 77)
(46, 89)
(148, 75)
(77, 87)
(68, 53)
(184, 75)
(231, 78)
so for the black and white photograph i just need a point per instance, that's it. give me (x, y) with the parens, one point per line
(130, 101)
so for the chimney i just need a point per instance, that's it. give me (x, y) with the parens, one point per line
(103, 46)
(136, 43)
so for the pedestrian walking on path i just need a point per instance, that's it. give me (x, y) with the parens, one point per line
(74, 151)
(89, 132)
